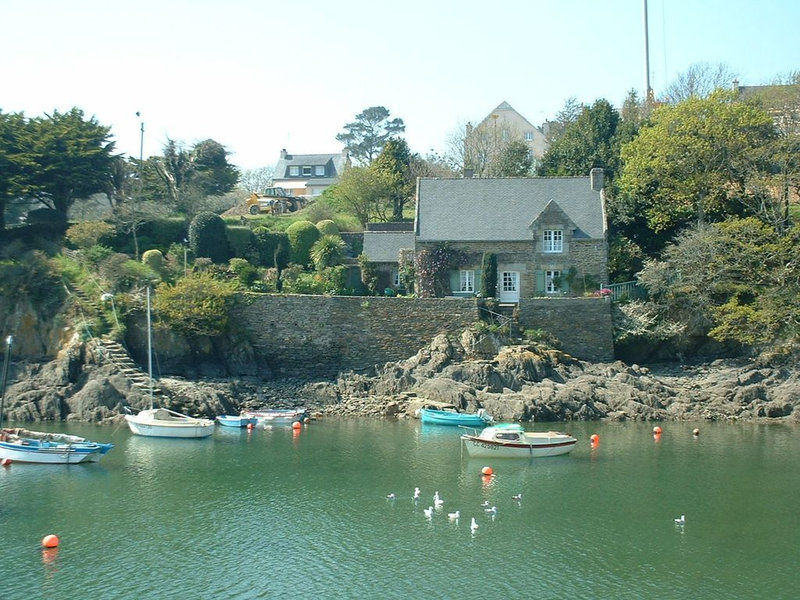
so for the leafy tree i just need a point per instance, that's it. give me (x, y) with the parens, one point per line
(369, 274)
(585, 143)
(256, 180)
(13, 158)
(691, 163)
(394, 162)
(363, 192)
(66, 157)
(327, 227)
(515, 160)
(211, 171)
(207, 238)
(372, 128)
(197, 305)
(302, 237)
(88, 233)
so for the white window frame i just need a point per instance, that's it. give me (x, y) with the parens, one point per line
(549, 281)
(294, 171)
(528, 136)
(466, 279)
(319, 170)
(396, 277)
(307, 170)
(553, 241)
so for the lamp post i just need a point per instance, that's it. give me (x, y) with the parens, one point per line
(9, 340)
(185, 246)
(141, 149)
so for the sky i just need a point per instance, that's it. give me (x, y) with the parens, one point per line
(259, 75)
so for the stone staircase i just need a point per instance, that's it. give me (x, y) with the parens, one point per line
(116, 354)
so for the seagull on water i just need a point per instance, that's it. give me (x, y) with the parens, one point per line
(681, 520)
(518, 497)
(491, 511)
(453, 516)
(437, 501)
(428, 512)
(390, 496)
(485, 504)
(473, 525)
(416, 494)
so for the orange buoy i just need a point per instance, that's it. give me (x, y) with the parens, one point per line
(249, 425)
(296, 425)
(487, 471)
(306, 420)
(6, 462)
(50, 541)
(657, 430)
(696, 432)
(594, 439)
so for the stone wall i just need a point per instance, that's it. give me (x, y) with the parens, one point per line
(319, 336)
(583, 326)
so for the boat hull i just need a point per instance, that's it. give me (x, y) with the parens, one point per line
(34, 451)
(455, 419)
(533, 445)
(154, 423)
(234, 421)
(277, 416)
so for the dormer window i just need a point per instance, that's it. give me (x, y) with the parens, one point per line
(553, 240)
(307, 171)
(319, 170)
(294, 171)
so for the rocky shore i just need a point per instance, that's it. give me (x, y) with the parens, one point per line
(513, 383)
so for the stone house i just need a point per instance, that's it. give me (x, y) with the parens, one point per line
(548, 234)
(307, 175)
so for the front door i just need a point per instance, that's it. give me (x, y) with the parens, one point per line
(509, 286)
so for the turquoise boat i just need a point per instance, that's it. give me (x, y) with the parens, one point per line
(455, 418)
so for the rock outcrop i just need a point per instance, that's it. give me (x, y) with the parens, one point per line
(513, 383)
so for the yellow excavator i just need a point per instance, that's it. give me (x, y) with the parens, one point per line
(275, 200)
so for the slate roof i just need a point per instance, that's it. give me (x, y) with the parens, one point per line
(334, 165)
(385, 246)
(503, 209)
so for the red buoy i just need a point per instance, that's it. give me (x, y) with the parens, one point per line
(6, 462)
(487, 471)
(296, 425)
(50, 541)
(594, 439)
(657, 430)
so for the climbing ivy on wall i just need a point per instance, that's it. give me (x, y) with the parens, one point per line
(433, 267)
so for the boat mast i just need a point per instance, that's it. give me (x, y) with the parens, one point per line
(647, 90)
(149, 349)
(9, 339)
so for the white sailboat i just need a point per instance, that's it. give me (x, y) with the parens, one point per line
(162, 422)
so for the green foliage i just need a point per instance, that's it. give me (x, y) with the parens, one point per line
(268, 248)
(327, 227)
(327, 251)
(240, 238)
(372, 128)
(369, 275)
(197, 305)
(433, 267)
(302, 237)
(88, 233)
(123, 274)
(247, 273)
(363, 192)
(155, 260)
(488, 275)
(394, 164)
(31, 276)
(207, 238)
(164, 231)
(295, 280)
(515, 160)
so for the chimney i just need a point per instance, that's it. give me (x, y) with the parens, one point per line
(283, 153)
(596, 179)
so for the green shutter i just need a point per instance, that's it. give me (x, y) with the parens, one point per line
(540, 282)
(455, 281)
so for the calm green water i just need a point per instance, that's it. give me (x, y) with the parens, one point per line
(270, 514)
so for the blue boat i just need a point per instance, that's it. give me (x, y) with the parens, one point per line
(63, 450)
(236, 420)
(452, 417)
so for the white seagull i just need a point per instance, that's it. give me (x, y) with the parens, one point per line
(437, 501)
(485, 504)
(518, 497)
(416, 493)
(390, 496)
(453, 516)
(681, 520)
(428, 512)
(491, 511)
(473, 525)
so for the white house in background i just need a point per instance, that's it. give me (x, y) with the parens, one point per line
(307, 175)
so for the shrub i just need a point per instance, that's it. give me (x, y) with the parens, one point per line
(196, 305)
(247, 273)
(269, 248)
(327, 251)
(327, 227)
(302, 236)
(123, 274)
(88, 233)
(207, 238)
(489, 275)
(240, 238)
(155, 260)
(369, 275)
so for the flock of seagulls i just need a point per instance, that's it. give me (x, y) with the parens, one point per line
(438, 502)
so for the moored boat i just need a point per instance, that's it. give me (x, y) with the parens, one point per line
(510, 440)
(278, 416)
(236, 420)
(162, 422)
(45, 448)
(452, 417)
